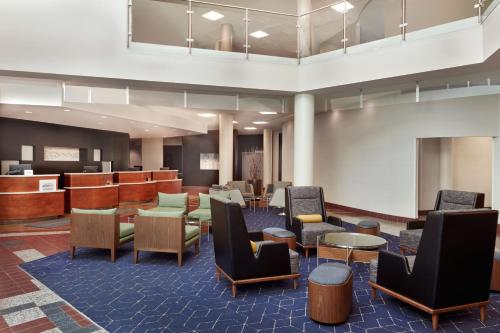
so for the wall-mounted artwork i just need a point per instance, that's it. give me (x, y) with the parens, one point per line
(209, 161)
(253, 162)
(61, 154)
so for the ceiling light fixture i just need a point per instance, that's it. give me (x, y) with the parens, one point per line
(104, 117)
(67, 110)
(259, 34)
(213, 15)
(250, 128)
(146, 130)
(259, 122)
(206, 115)
(28, 112)
(268, 112)
(155, 126)
(343, 7)
(235, 122)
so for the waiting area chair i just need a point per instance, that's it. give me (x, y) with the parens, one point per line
(452, 268)
(301, 201)
(446, 200)
(246, 189)
(164, 232)
(235, 258)
(98, 228)
(172, 203)
(202, 213)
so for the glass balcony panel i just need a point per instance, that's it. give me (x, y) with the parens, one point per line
(327, 32)
(421, 14)
(369, 21)
(159, 22)
(218, 28)
(279, 38)
(489, 6)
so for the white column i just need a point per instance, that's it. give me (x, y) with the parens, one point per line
(152, 154)
(268, 157)
(308, 45)
(276, 156)
(446, 164)
(225, 148)
(303, 143)
(226, 38)
(287, 151)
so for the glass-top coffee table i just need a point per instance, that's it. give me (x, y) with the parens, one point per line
(349, 246)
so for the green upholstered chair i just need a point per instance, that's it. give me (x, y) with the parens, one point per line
(98, 228)
(174, 203)
(203, 211)
(167, 232)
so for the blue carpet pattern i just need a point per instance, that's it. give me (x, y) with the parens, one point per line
(157, 296)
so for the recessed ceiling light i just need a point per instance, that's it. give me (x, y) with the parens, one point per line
(66, 110)
(259, 122)
(343, 7)
(235, 122)
(155, 126)
(259, 34)
(206, 115)
(250, 128)
(104, 117)
(213, 15)
(28, 112)
(146, 130)
(268, 112)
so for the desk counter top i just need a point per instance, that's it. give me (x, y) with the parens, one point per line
(31, 192)
(21, 176)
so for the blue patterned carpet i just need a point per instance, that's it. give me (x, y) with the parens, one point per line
(157, 296)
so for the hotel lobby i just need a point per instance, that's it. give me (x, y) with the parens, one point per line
(249, 166)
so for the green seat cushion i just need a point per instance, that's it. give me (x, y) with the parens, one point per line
(178, 200)
(111, 211)
(204, 201)
(126, 229)
(191, 231)
(168, 209)
(201, 214)
(156, 213)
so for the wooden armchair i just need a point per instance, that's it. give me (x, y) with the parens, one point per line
(101, 231)
(165, 234)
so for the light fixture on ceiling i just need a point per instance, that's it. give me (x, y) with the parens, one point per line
(259, 34)
(343, 7)
(206, 115)
(235, 122)
(250, 128)
(259, 122)
(213, 15)
(28, 112)
(147, 130)
(66, 110)
(155, 126)
(104, 117)
(268, 112)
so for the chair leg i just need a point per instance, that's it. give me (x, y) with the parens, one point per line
(197, 246)
(179, 259)
(401, 251)
(71, 252)
(217, 273)
(295, 283)
(482, 313)
(136, 256)
(435, 321)
(233, 290)
(374, 293)
(306, 252)
(113, 254)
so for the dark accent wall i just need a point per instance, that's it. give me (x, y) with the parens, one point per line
(135, 152)
(247, 143)
(15, 132)
(192, 147)
(172, 157)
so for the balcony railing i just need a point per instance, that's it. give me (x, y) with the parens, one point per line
(337, 26)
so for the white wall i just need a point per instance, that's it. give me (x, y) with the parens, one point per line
(152, 154)
(429, 172)
(366, 158)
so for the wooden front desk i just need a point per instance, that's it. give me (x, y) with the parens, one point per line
(88, 179)
(169, 186)
(92, 197)
(137, 192)
(21, 183)
(164, 174)
(30, 205)
(131, 176)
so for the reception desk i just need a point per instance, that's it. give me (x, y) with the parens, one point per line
(164, 174)
(121, 177)
(21, 197)
(90, 191)
(137, 192)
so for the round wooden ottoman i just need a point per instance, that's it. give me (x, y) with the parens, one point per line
(330, 293)
(368, 227)
(280, 235)
(495, 273)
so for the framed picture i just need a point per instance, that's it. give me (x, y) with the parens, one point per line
(209, 161)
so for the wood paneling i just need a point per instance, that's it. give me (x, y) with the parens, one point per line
(31, 205)
(330, 304)
(138, 192)
(87, 179)
(92, 197)
(132, 176)
(23, 183)
(164, 174)
(362, 212)
(169, 186)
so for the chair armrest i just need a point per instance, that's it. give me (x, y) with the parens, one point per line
(274, 259)
(392, 271)
(415, 224)
(296, 227)
(256, 236)
(334, 221)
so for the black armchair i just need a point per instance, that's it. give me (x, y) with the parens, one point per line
(446, 200)
(304, 200)
(234, 257)
(452, 269)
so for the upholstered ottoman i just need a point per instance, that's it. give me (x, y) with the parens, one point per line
(330, 293)
(495, 274)
(280, 235)
(368, 227)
